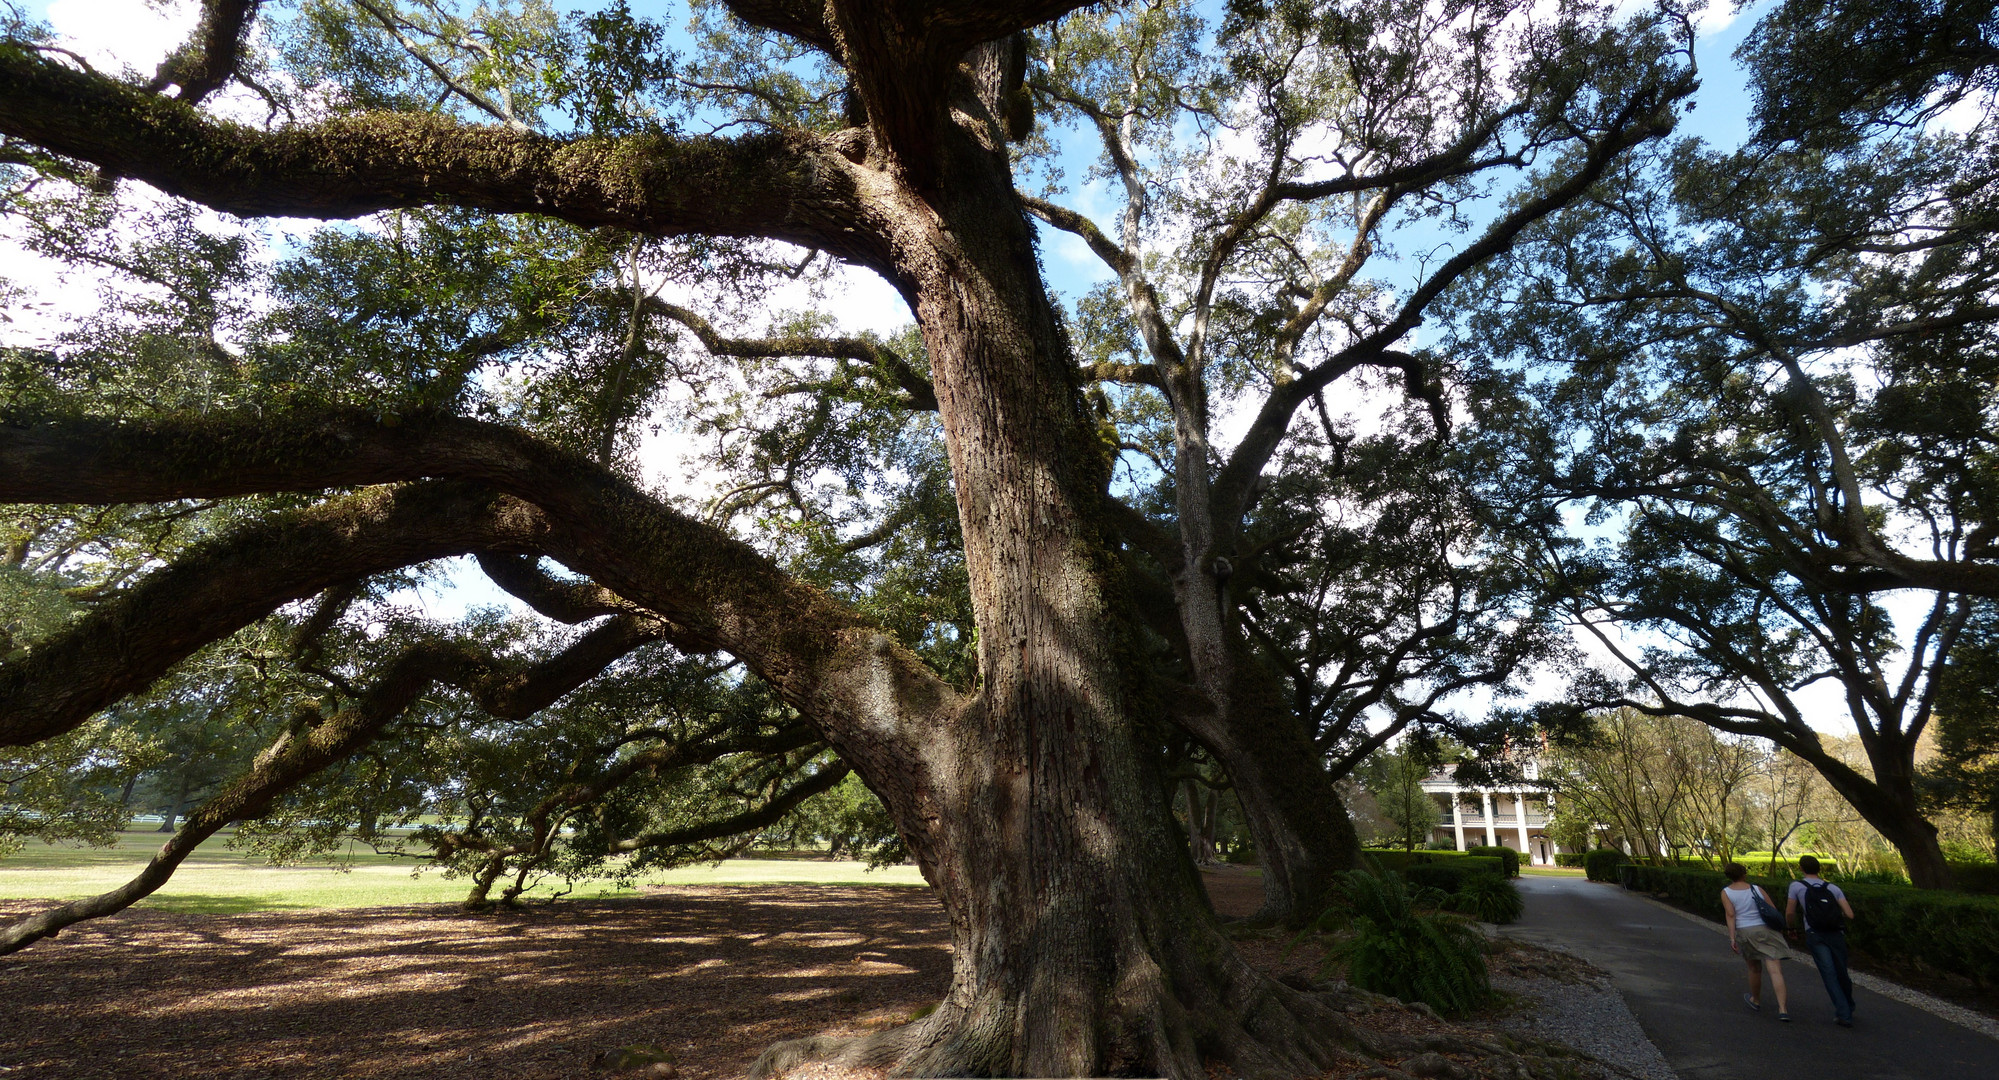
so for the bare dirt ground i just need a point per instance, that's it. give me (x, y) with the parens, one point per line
(713, 974)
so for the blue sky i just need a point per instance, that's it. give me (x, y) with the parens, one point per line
(139, 33)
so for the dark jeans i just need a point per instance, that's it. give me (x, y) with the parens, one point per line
(1829, 953)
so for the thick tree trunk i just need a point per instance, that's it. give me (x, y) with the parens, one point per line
(1888, 802)
(1084, 945)
(1295, 815)
(1304, 837)
(1200, 824)
(180, 803)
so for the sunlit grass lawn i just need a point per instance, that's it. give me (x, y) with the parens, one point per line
(217, 880)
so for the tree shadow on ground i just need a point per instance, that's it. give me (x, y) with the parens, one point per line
(713, 973)
(216, 904)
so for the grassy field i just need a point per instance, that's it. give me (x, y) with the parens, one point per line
(216, 880)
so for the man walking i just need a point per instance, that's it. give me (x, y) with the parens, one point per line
(1825, 912)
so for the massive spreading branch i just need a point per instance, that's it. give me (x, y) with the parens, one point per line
(792, 186)
(497, 492)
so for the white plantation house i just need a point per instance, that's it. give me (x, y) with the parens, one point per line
(1514, 817)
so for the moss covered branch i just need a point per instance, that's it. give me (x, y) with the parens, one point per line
(854, 682)
(790, 186)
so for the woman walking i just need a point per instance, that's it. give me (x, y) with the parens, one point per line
(1750, 934)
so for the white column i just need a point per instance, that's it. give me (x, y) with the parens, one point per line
(1458, 815)
(1520, 815)
(1485, 797)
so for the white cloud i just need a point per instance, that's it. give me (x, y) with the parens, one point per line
(858, 301)
(120, 34)
(1717, 16)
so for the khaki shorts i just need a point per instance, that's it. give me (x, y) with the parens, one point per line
(1761, 943)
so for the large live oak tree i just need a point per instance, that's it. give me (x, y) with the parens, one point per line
(1245, 282)
(1083, 945)
(1768, 374)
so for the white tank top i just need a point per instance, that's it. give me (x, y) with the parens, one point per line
(1745, 906)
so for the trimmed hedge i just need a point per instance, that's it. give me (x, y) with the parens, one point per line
(1946, 931)
(1570, 858)
(1398, 859)
(1452, 875)
(1508, 858)
(1758, 862)
(1602, 864)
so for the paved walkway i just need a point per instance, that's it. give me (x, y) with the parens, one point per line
(1685, 987)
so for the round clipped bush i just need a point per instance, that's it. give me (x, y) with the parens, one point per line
(1509, 859)
(1602, 864)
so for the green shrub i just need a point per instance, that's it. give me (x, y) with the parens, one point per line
(1450, 877)
(1509, 859)
(1760, 862)
(1976, 877)
(1398, 859)
(1570, 858)
(1602, 864)
(1894, 924)
(1399, 949)
(1488, 898)
(1866, 877)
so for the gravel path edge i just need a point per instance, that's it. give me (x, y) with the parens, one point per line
(1589, 1015)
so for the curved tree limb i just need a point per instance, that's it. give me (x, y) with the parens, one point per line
(563, 601)
(789, 186)
(297, 754)
(210, 58)
(887, 364)
(855, 683)
(768, 814)
(224, 585)
(1070, 221)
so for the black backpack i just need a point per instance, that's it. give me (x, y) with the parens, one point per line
(1822, 909)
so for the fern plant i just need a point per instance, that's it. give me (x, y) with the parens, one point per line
(1402, 947)
(1489, 898)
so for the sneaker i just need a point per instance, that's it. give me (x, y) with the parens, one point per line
(1754, 1005)
(1785, 1017)
(1844, 1023)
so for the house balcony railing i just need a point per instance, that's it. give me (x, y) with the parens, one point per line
(1498, 821)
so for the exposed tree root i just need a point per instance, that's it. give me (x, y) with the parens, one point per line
(1331, 1030)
